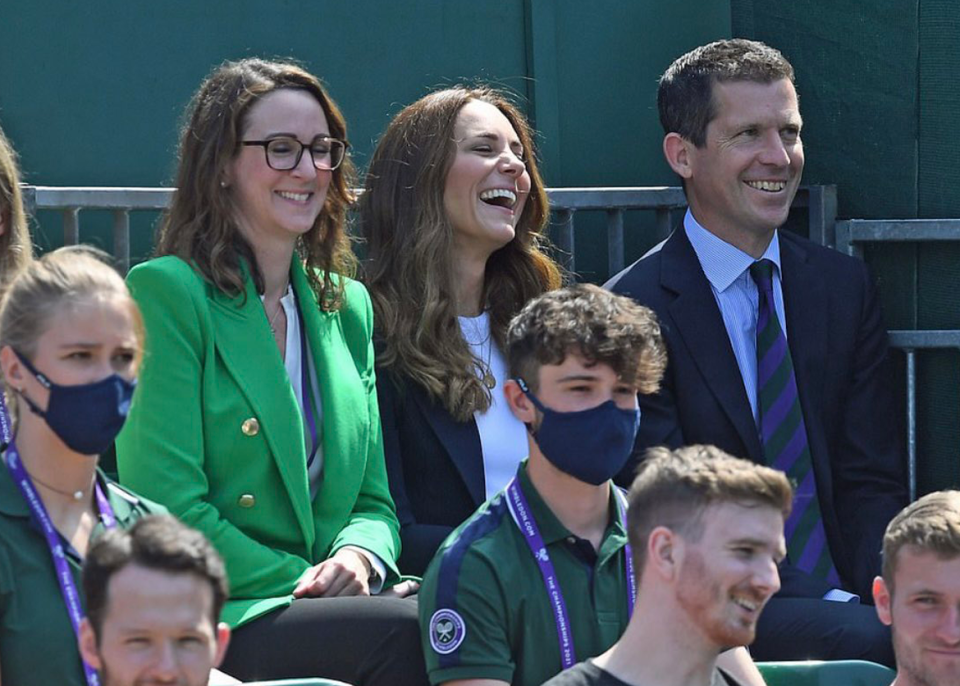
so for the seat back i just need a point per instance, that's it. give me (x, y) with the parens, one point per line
(832, 673)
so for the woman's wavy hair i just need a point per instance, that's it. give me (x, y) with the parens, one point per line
(200, 226)
(16, 249)
(410, 271)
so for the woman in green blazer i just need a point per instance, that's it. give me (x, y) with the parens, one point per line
(256, 419)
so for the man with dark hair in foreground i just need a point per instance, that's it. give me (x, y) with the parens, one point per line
(154, 595)
(707, 533)
(918, 594)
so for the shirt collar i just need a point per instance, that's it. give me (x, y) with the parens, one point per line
(12, 502)
(722, 262)
(551, 529)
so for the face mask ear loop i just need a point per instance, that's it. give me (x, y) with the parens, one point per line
(44, 381)
(536, 403)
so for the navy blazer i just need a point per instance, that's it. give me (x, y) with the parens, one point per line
(434, 466)
(839, 350)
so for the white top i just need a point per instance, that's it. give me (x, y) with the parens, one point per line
(503, 437)
(293, 364)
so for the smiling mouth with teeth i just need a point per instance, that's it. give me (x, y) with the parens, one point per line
(750, 606)
(299, 197)
(767, 186)
(500, 197)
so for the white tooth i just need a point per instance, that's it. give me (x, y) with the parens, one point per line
(299, 197)
(499, 193)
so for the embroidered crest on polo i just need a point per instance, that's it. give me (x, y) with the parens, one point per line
(447, 631)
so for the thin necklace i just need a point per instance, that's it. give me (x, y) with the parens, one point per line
(273, 319)
(486, 371)
(276, 313)
(76, 495)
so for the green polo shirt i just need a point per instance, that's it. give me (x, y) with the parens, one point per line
(37, 643)
(484, 611)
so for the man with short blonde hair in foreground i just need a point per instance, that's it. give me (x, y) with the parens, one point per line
(706, 531)
(918, 595)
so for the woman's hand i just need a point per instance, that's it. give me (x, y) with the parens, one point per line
(347, 573)
(401, 590)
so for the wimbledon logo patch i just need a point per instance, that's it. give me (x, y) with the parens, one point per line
(447, 631)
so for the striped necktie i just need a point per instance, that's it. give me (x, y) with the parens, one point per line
(784, 435)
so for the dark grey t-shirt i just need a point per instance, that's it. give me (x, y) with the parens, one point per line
(588, 674)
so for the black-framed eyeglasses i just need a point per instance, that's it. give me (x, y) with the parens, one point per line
(283, 154)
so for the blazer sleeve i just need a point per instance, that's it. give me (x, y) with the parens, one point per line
(868, 461)
(419, 540)
(161, 451)
(372, 524)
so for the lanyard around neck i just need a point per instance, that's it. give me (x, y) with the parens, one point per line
(520, 511)
(68, 587)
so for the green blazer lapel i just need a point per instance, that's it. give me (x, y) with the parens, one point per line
(250, 356)
(346, 420)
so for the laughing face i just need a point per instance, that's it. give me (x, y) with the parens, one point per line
(279, 205)
(727, 576)
(488, 183)
(741, 183)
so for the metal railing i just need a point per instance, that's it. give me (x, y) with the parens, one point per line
(821, 201)
(70, 201)
(850, 237)
(564, 202)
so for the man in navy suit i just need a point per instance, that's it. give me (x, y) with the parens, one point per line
(727, 284)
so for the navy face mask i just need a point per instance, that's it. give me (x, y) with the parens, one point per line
(86, 417)
(590, 445)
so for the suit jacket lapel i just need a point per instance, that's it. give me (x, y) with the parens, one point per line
(700, 324)
(805, 298)
(250, 355)
(460, 439)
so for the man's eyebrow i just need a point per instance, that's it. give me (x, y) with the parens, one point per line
(578, 377)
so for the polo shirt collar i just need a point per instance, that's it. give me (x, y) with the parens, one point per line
(723, 263)
(13, 504)
(551, 529)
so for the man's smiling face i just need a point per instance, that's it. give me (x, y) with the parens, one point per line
(741, 183)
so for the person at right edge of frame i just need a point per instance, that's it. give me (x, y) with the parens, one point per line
(776, 345)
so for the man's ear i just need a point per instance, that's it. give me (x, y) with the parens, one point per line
(664, 553)
(519, 403)
(882, 598)
(223, 640)
(87, 642)
(676, 149)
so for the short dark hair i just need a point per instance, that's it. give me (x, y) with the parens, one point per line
(673, 488)
(594, 323)
(931, 524)
(157, 542)
(685, 95)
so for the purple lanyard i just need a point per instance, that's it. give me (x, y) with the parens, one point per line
(68, 588)
(306, 390)
(520, 511)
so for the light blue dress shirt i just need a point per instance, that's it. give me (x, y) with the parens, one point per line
(727, 268)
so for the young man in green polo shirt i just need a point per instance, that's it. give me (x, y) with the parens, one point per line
(539, 577)
(707, 535)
